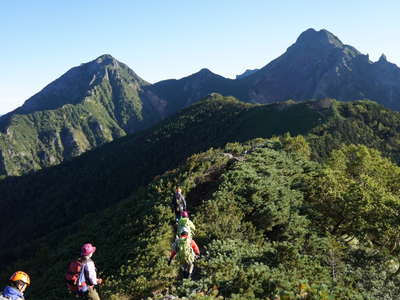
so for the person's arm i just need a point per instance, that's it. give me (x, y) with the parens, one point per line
(191, 226)
(183, 202)
(91, 273)
(195, 247)
(173, 253)
(174, 201)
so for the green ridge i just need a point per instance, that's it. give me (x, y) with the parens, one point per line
(259, 228)
(105, 176)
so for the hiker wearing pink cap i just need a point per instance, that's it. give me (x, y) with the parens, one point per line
(89, 272)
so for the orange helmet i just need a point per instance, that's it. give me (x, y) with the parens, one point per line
(21, 276)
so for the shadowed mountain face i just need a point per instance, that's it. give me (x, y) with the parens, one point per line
(99, 101)
(184, 92)
(319, 65)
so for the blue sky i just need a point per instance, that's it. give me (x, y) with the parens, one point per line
(42, 39)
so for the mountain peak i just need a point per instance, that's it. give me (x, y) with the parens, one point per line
(322, 37)
(203, 73)
(105, 59)
(383, 58)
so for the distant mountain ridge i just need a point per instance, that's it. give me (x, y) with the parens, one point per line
(102, 100)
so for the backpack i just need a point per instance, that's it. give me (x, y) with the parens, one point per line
(75, 277)
(184, 252)
(185, 224)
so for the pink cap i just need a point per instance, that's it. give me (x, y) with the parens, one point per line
(87, 249)
(184, 214)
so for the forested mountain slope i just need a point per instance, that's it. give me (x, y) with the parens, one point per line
(58, 196)
(264, 225)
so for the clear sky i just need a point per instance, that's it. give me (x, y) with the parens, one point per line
(161, 39)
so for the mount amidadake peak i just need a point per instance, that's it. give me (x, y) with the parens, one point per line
(104, 99)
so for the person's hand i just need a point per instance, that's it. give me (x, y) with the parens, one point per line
(99, 281)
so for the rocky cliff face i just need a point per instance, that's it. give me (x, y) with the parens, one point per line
(89, 105)
(319, 65)
(246, 73)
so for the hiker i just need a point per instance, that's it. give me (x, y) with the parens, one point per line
(81, 276)
(19, 281)
(186, 251)
(185, 223)
(179, 202)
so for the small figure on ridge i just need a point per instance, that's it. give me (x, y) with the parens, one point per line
(179, 202)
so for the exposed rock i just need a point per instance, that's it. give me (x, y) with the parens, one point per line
(383, 58)
(246, 73)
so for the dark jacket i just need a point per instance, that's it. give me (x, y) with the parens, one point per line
(179, 201)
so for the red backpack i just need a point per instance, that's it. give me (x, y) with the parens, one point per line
(73, 274)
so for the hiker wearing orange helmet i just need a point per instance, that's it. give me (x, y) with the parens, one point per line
(19, 281)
